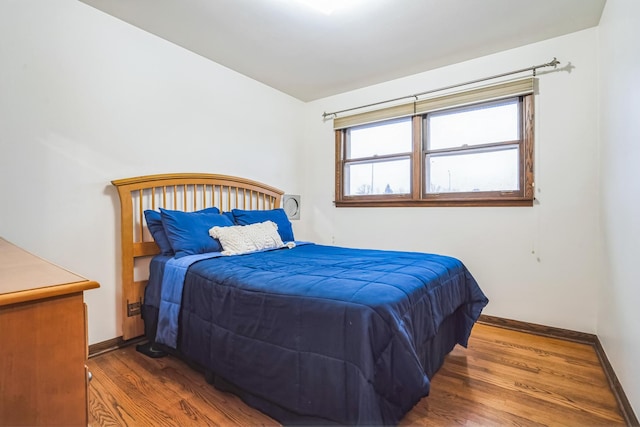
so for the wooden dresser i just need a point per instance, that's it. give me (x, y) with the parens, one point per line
(43, 342)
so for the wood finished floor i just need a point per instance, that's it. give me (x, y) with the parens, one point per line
(503, 378)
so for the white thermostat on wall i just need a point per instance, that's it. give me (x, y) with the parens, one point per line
(291, 205)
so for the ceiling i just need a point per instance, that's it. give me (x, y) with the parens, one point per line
(310, 55)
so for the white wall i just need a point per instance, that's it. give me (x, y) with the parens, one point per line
(619, 317)
(536, 264)
(86, 98)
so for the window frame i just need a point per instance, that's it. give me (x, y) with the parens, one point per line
(378, 159)
(418, 195)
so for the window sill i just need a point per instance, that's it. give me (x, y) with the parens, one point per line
(504, 201)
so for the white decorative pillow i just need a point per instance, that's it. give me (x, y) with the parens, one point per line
(241, 239)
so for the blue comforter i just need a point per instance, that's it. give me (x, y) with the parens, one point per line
(329, 333)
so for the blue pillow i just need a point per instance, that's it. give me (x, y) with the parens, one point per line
(154, 224)
(276, 215)
(188, 232)
(230, 216)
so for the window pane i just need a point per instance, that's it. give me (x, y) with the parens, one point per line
(479, 171)
(390, 137)
(492, 122)
(389, 177)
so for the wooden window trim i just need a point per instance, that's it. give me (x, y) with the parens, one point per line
(418, 196)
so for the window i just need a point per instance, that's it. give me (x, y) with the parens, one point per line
(378, 158)
(480, 154)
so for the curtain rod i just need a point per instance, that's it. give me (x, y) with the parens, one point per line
(553, 63)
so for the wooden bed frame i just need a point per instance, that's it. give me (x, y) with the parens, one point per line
(182, 191)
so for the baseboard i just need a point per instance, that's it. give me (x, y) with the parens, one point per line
(579, 337)
(545, 331)
(110, 345)
(627, 411)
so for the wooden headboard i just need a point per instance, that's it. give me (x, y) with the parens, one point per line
(184, 191)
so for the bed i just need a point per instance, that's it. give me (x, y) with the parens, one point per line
(307, 333)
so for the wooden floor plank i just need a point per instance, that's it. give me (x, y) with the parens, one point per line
(548, 384)
(504, 377)
(512, 396)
